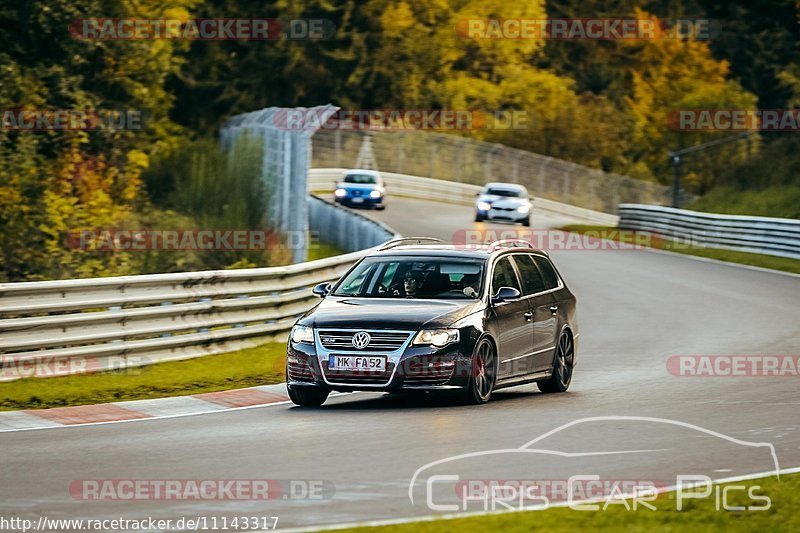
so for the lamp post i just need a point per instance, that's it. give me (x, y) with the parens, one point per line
(675, 160)
(676, 179)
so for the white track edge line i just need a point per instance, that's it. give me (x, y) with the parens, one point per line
(456, 516)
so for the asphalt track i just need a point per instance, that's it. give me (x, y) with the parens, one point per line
(636, 309)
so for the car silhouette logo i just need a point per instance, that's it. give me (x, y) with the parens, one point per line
(361, 340)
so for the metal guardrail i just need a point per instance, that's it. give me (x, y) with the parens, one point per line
(464, 160)
(763, 235)
(345, 229)
(324, 179)
(60, 327)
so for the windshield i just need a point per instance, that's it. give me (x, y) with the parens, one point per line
(509, 193)
(361, 179)
(414, 277)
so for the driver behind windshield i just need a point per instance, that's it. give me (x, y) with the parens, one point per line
(471, 284)
(412, 283)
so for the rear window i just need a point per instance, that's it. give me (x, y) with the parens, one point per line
(360, 179)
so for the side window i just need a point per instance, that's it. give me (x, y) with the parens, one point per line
(504, 275)
(388, 274)
(532, 281)
(548, 272)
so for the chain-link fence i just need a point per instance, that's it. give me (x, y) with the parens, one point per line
(284, 168)
(454, 158)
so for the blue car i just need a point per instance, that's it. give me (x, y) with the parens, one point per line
(361, 188)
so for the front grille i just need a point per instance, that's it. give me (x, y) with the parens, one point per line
(504, 208)
(380, 341)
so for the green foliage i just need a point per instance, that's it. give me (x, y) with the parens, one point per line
(777, 201)
(215, 189)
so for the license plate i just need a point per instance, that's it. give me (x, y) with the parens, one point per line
(358, 200)
(357, 362)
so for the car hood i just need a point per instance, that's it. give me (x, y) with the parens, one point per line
(387, 313)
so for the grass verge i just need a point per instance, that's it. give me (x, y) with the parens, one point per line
(261, 365)
(323, 250)
(785, 264)
(698, 515)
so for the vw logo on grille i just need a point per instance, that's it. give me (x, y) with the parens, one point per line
(361, 340)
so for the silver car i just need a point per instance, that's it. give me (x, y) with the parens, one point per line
(504, 201)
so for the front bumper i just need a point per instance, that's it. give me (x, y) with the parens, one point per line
(418, 368)
(502, 214)
(360, 201)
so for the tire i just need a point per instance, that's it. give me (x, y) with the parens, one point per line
(308, 396)
(562, 366)
(479, 218)
(527, 221)
(381, 207)
(483, 375)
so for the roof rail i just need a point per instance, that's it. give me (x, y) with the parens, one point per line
(514, 243)
(409, 240)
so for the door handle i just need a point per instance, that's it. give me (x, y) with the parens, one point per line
(528, 316)
(553, 309)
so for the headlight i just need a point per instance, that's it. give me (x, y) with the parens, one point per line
(437, 337)
(375, 194)
(523, 209)
(303, 334)
(483, 206)
(339, 193)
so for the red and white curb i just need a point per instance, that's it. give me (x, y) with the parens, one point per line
(208, 402)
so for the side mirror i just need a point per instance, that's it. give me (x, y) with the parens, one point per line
(505, 293)
(322, 290)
